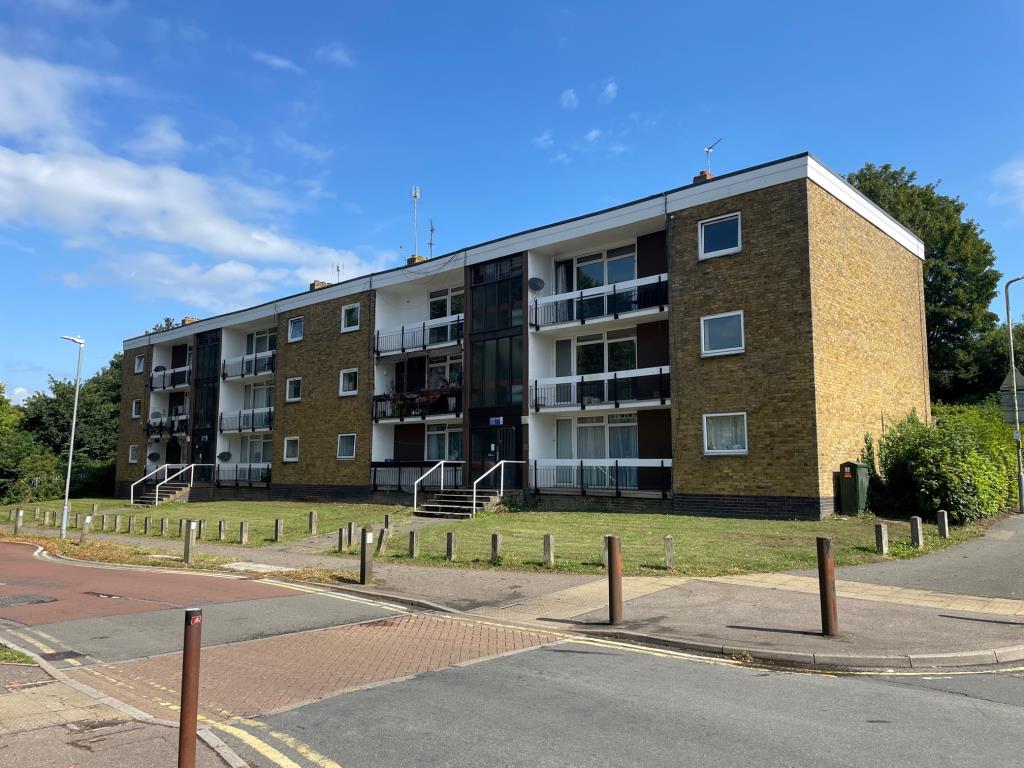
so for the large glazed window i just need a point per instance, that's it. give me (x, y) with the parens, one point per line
(497, 295)
(497, 372)
(721, 334)
(720, 236)
(725, 434)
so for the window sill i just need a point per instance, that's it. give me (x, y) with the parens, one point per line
(724, 352)
(294, 341)
(346, 458)
(350, 330)
(290, 461)
(716, 254)
(348, 394)
(296, 400)
(725, 453)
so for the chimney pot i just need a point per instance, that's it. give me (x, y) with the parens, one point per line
(703, 176)
(316, 285)
(414, 259)
(188, 320)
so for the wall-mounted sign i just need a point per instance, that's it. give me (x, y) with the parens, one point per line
(495, 421)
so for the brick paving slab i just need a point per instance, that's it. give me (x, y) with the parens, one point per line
(50, 704)
(15, 676)
(274, 674)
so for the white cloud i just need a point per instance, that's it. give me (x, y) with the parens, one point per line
(610, 92)
(335, 53)
(19, 395)
(616, 149)
(544, 140)
(158, 139)
(1009, 183)
(306, 151)
(592, 135)
(561, 158)
(82, 7)
(569, 99)
(277, 62)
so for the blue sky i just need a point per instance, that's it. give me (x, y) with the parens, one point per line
(173, 158)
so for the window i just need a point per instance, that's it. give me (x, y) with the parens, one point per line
(347, 446)
(256, 449)
(444, 372)
(291, 449)
(349, 384)
(259, 395)
(444, 441)
(350, 318)
(295, 329)
(262, 341)
(600, 353)
(293, 390)
(133, 454)
(497, 295)
(725, 434)
(140, 363)
(497, 372)
(719, 236)
(721, 334)
(617, 265)
(136, 409)
(446, 302)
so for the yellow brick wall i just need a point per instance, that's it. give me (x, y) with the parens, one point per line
(131, 431)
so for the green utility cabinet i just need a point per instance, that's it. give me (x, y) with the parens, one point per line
(853, 488)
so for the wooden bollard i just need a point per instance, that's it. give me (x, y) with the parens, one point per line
(38, 513)
(382, 540)
(117, 523)
(86, 524)
(549, 550)
(202, 529)
(341, 540)
(351, 538)
(882, 538)
(942, 520)
(827, 587)
(916, 533)
(366, 556)
(164, 523)
(19, 519)
(222, 530)
(181, 527)
(312, 522)
(46, 519)
(131, 523)
(278, 529)
(495, 548)
(190, 541)
(243, 532)
(14, 512)
(449, 550)
(387, 521)
(670, 553)
(78, 520)
(147, 525)
(414, 544)
(95, 510)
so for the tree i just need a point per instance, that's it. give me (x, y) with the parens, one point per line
(960, 278)
(164, 325)
(28, 472)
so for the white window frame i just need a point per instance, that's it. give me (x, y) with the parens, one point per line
(136, 409)
(288, 389)
(291, 324)
(702, 254)
(445, 429)
(284, 451)
(133, 454)
(359, 318)
(355, 440)
(746, 441)
(342, 392)
(140, 364)
(705, 352)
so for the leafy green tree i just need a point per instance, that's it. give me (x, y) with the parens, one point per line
(960, 278)
(164, 325)
(28, 471)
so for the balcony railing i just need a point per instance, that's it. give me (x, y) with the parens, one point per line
(400, 475)
(249, 365)
(604, 476)
(171, 379)
(602, 389)
(446, 401)
(242, 474)
(430, 333)
(174, 424)
(250, 420)
(606, 301)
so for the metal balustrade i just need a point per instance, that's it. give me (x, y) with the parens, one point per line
(445, 401)
(402, 475)
(249, 365)
(248, 420)
(603, 302)
(242, 474)
(420, 336)
(602, 389)
(171, 379)
(604, 476)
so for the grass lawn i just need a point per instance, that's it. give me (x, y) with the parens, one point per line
(11, 656)
(703, 546)
(259, 514)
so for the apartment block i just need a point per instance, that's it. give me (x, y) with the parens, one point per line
(716, 349)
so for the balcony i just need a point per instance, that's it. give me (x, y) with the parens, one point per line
(258, 364)
(242, 474)
(400, 475)
(174, 424)
(175, 378)
(602, 390)
(430, 334)
(605, 477)
(444, 402)
(250, 420)
(648, 295)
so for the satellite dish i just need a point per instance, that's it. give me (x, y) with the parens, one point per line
(159, 368)
(535, 284)
(224, 455)
(153, 456)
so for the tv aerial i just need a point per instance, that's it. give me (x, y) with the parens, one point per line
(707, 154)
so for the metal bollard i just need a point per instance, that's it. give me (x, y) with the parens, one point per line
(916, 533)
(827, 587)
(882, 538)
(189, 688)
(312, 522)
(190, 541)
(414, 544)
(86, 524)
(222, 530)
(614, 580)
(243, 532)
(19, 518)
(449, 550)
(549, 550)
(278, 529)
(942, 520)
(495, 548)
(366, 556)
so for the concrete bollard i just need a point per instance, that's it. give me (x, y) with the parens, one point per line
(181, 527)
(278, 529)
(942, 520)
(147, 525)
(131, 523)
(312, 522)
(190, 541)
(366, 556)
(882, 538)
(222, 530)
(19, 519)
(916, 533)
(341, 540)
(243, 532)
(549, 550)
(383, 540)
(449, 550)
(202, 529)
(670, 553)
(164, 523)
(86, 525)
(117, 523)
(414, 544)
(351, 537)
(495, 548)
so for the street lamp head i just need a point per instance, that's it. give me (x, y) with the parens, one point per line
(77, 340)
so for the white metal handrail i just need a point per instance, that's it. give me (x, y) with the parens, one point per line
(501, 486)
(421, 478)
(190, 468)
(131, 492)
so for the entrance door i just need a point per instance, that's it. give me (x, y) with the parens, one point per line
(173, 451)
(488, 446)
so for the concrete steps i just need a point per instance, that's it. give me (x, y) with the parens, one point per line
(169, 492)
(456, 504)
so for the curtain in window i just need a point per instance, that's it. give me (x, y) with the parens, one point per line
(590, 444)
(624, 443)
(725, 433)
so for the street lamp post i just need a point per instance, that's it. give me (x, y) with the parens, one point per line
(71, 445)
(1016, 408)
